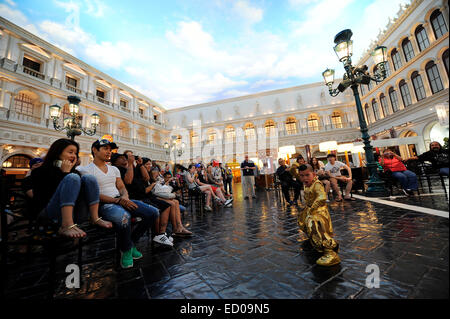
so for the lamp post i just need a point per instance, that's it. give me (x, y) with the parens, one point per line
(72, 124)
(177, 148)
(353, 77)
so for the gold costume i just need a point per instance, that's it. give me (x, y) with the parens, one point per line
(315, 221)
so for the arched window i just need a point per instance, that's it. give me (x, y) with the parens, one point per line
(336, 120)
(404, 92)
(313, 123)
(445, 59)
(291, 126)
(230, 133)
(384, 105)
(387, 67)
(212, 135)
(270, 128)
(23, 104)
(407, 49)
(17, 161)
(194, 138)
(376, 111)
(367, 111)
(418, 86)
(438, 24)
(124, 130)
(396, 59)
(422, 38)
(249, 131)
(433, 77)
(394, 99)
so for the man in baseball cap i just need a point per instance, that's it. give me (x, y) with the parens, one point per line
(103, 142)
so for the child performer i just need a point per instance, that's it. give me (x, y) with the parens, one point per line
(315, 219)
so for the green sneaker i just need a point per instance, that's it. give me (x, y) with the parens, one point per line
(126, 260)
(135, 253)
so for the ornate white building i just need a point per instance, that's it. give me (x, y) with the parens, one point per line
(35, 74)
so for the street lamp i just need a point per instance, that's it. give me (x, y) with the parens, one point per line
(177, 148)
(353, 77)
(72, 124)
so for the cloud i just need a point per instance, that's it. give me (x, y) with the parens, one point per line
(11, 3)
(96, 8)
(251, 15)
(17, 17)
(296, 3)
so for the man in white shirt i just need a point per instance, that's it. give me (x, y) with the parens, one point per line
(115, 206)
(333, 171)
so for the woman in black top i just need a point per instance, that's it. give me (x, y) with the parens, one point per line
(57, 186)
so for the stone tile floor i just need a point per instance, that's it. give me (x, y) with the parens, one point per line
(255, 250)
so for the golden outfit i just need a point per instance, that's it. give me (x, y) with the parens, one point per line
(315, 221)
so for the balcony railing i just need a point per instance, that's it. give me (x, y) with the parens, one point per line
(23, 117)
(124, 109)
(73, 89)
(32, 72)
(103, 101)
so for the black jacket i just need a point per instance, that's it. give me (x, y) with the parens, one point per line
(45, 181)
(284, 175)
(438, 159)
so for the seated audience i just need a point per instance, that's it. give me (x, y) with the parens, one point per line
(333, 171)
(392, 163)
(437, 156)
(116, 206)
(57, 187)
(204, 180)
(191, 178)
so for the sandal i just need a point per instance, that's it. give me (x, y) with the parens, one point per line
(339, 200)
(71, 231)
(349, 198)
(103, 224)
(182, 234)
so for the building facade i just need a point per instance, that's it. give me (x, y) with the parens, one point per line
(411, 102)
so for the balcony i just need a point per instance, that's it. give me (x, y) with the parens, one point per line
(32, 72)
(12, 115)
(73, 89)
(124, 109)
(102, 100)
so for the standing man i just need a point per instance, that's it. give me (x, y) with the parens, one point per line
(248, 177)
(115, 205)
(228, 180)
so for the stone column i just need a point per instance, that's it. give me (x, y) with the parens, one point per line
(412, 92)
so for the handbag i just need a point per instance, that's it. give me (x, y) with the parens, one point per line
(163, 191)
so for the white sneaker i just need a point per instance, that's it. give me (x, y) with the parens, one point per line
(229, 201)
(169, 237)
(229, 205)
(163, 240)
(208, 209)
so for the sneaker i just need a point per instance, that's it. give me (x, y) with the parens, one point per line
(163, 240)
(135, 253)
(170, 237)
(126, 259)
(208, 209)
(405, 192)
(229, 201)
(228, 205)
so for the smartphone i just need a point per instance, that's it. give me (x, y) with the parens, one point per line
(57, 163)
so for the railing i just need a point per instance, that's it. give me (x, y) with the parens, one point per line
(142, 116)
(24, 117)
(124, 109)
(33, 73)
(140, 142)
(73, 89)
(102, 100)
(124, 139)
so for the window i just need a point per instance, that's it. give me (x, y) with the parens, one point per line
(313, 123)
(291, 127)
(407, 49)
(194, 139)
(141, 112)
(23, 104)
(270, 128)
(387, 67)
(212, 137)
(404, 92)
(376, 111)
(230, 134)
(100, 94)
(368, 117)
(438, 24)
(422, 38)
(445, 59)
(418, 86)
(433, 77)
(384, 105)
(123, 104)
(396, 59)
(336, 120)
(155, 117)
(71, 81)
(33, 65)
(17, 161)
(394, 99)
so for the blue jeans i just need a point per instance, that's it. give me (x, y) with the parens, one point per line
(443, 171)
(67, 194)
(182, 209)
(407, 179)
(120, 218)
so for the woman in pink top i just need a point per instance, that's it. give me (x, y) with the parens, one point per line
(393, 162)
